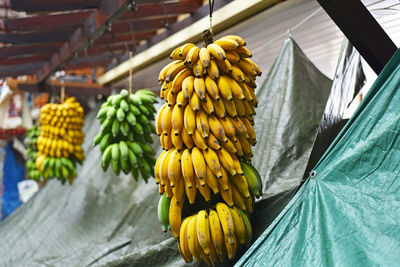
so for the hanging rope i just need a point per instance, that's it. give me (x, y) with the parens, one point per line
(211, 6)
(62, 94)
(130, 72)
(166, 15)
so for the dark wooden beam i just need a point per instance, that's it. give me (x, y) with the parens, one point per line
(25, 59)
(362, 30)
(94, 27)
(71, 88)
(37, 37)
(123, 38)
(156, 10)
(11, 51)
(43, 22)
(142, 25)
(89, 61)
(17, 70)
(30, 6)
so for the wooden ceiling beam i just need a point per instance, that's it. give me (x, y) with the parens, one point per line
(89, 61)
(94, 27)
(25, 59)
(123, 38)
(31, 6)
(143, 25)
(17, 70)
(71, 88)
(11, 51)
(362, 30)
(37, 37)
(157, 9)
(43, 22)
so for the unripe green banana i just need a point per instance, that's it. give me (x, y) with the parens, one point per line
(163, 212)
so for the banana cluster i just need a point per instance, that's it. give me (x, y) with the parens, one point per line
(62, 168)
(212, 234)
(206, 131)
(32, 151)
(125, 135)
(60, 137)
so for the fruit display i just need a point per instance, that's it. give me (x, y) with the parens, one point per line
(206, 131)
(126, 128)
(59, 143)
(32, 136)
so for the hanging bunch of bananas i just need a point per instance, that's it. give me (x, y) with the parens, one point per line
(32, 151)
(126, 130)
(60, 140)
(206, 131)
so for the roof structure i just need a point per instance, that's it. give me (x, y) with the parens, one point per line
(73, 34)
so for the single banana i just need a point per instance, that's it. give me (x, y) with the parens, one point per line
(247, 224)
(174, 167)
(203, 189)
(211, 181)
(178, 80)
(183, 239)
(217, 236)
(200, 164)
(217, 129)
(237, 38)
(205, 57)
(226, 161)
(166, 120)
(181, 101)
(175, 212)
(203, 231)
(189, 119)
(195, 102)
(198, 69)
(177, 120)
(200, 88)
(177, 141)
(213, 71)
(240, 229)
(188, 87)
(202, 124)
(192, 55)
(224, 88)
(208, 105)
(243, 52)
(240, 182)
(163, 212)
(213, 162)
(238, 198)
(187, 168)
(227, 44)
(194, 246)
(212, 142)
(232, 56)
(219, 108)
(212, 88)
(216, 51)
(199, 141)
(187, 140)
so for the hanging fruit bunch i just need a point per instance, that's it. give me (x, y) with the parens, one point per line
(126, 130)
(60, 140)
(206, 131)
(32, 151)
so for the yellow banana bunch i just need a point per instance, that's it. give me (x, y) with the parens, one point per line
(214, 234)
(206, 131)
(60, 139)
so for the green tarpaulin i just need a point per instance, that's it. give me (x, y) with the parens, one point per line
(348, 211)
(107, 220)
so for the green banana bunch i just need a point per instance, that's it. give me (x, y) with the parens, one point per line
(125, 135)
(32, 151)
(62, 168)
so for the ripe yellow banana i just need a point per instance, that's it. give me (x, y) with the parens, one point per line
(163, 168)
(208, 105)
(205, 57)
(224, 88)
(187, 87)
(179, 189)
(217, 129)
(216, 51)
(157, 167)
(163, 72)
(199, 141)
(174, 167)
(243, 52)
(195, 102)
(177, 119)
(240, 229)
(212, 161)
(176, 141)
(187, 140)
(194, 246)
(178, 80)
(203, 189)
(229, 146)
(229, 128)
(232, 56)
(219, 108)
(247, 68)
(189, 118)
(183, 239)
(200, 164)
(203, 231)
(238, 198)
(211, 181)
(181, 101)
(227, 224)
(200, 88)
(198, 69)
(166, 120)
(175, 212)
(226, 161)
(202, 124)
(240, 182)
(213, 143)
(237, 38)
(227, 43)
(173, 71)
(192, 55)
(240, 108)
(184, 50)
(213, 71)
(217, 236)
(237, 74)
(240, 128)
(187, 168)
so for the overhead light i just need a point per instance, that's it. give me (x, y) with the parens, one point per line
(385, 11)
